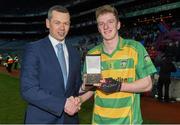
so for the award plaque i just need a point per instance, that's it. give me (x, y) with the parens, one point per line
(93, 69)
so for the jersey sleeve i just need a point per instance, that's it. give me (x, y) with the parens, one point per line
(144, 65)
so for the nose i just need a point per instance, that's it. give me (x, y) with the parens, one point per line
(105, 26)
(61, 27)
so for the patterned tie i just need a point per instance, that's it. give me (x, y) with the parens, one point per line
(61, 58)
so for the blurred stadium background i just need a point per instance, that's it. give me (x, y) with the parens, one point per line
(154, 23)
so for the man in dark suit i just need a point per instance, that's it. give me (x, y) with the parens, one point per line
(48, 85)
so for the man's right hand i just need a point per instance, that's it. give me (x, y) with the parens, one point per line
(72, 105)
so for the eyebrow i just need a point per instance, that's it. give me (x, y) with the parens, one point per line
(107, 20)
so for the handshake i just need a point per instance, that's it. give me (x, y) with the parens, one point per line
(107, 85)
(72, 105)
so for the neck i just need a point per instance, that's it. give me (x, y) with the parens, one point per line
(110, 45)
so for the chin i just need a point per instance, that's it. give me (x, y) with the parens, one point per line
(61, 38)
(108, 38)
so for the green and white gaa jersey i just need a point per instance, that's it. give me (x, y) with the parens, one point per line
(129, 62)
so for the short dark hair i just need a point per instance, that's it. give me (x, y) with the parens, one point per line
(106, 9)
(58, 8)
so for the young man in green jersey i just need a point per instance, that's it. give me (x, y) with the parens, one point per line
(125, 68)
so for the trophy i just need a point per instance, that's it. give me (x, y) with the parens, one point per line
(93, 69)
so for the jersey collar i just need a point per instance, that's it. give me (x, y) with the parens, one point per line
(119, 47)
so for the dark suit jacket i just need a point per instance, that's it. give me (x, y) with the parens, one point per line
(42, 84)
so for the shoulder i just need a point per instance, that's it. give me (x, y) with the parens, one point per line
(133, 44)
(73, 50)
(37, 43)
(69, 45)
(96, 50)
(35, 46)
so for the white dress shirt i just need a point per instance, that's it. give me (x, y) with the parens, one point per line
(54, 42)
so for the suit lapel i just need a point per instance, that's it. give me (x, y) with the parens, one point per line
(70, 63)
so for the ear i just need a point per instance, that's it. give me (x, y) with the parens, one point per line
(47, 23)
(99, 30)
(119, 25)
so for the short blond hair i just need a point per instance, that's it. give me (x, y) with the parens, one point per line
(106, 9)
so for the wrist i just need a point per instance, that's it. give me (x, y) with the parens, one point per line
(82, 89)
(80, 99)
